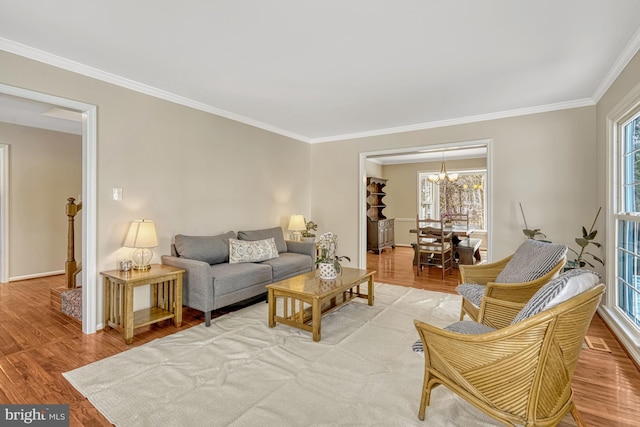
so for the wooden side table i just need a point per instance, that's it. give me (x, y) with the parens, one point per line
(166, 298)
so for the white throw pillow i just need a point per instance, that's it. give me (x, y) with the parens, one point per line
(252, 250)
(559, 290)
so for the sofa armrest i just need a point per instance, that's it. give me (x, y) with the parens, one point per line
(305, 248)
(197, 282)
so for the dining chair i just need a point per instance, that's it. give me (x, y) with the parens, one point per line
(434, 246)
(460, 219)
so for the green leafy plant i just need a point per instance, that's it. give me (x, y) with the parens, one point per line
(583, 242)
(311, 227)
(530, 233)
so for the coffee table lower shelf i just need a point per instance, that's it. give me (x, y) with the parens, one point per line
(306, 299)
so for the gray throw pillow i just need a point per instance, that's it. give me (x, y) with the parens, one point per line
(275, 232)
(210, 249)
(558, 290)
(532, 260)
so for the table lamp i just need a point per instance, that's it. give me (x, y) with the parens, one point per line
(296, 225)
(141, 236)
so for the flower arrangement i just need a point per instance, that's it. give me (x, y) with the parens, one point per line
(328, 245)
(311, 227)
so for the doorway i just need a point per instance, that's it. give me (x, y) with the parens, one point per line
(418, 158)
(89, 187)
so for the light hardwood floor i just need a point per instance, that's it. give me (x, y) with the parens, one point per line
(38, 344)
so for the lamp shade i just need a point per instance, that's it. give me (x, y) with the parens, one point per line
(142, 234)
(297, 223)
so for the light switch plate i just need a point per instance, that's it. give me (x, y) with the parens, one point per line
(117, 193)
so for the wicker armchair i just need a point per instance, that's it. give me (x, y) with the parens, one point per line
(520, 374)
(488, 284)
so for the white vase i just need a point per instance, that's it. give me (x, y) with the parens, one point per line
(326, 270)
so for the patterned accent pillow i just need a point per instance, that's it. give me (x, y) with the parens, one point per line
(252, 250)
(472, 292)
(533, 259)
(557, 291)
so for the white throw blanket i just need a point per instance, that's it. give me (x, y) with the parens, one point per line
(240, 372)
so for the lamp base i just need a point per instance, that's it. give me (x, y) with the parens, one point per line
(142, 259)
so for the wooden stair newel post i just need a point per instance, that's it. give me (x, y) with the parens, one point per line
(71, 267)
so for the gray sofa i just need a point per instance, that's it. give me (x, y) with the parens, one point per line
(211, 282)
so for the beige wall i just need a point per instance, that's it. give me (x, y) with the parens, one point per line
(189, 171)
(45, 168)
(543, 160)
(402, 192)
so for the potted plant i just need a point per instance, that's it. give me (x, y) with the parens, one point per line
(583, 242)
(328, 261)
(308, 235)
(531, 233)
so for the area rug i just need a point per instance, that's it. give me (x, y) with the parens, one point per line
(240, 372)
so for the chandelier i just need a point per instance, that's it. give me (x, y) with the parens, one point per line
(440, 177)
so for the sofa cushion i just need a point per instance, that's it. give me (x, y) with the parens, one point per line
(229, 278)
(210, 249)
(275, 232)
(532, 260)
(557, 291)
(251, 250)
(289, 264)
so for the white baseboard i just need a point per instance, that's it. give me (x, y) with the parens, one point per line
(35, 276)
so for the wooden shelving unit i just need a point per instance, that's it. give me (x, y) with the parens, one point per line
(380, 229)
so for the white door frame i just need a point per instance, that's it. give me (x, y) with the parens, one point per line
(89, 197)
(4, 213)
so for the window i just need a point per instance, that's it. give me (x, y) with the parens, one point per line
(466, 195)
(627, 221)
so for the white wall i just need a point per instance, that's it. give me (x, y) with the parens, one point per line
(543, 160)
(45, 168)
(189, 171)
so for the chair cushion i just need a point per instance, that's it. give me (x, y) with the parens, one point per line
(465, 327)
(531, 260)
(210, 249)
(558, 290)
(251, 250)
(469, 327)
(275, 232)
(472, 292)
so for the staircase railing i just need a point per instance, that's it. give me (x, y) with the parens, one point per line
(71, 268)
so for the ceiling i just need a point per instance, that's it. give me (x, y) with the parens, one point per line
(331, 70)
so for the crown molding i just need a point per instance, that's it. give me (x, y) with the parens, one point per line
(85, 70)
(76, 67)
(585, 102)
(616, 69)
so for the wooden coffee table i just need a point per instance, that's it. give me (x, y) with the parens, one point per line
(306, 298)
